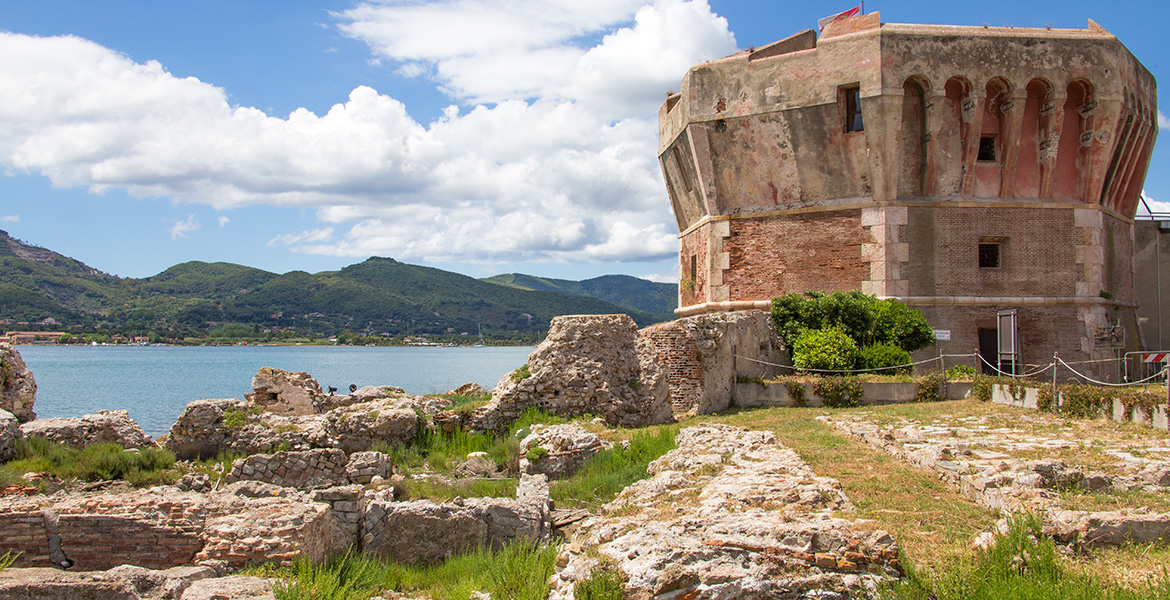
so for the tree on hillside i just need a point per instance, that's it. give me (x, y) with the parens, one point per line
(871, 323)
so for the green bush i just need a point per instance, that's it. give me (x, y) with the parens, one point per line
(234, 418)
(606, 583)
(930, 387)
(880, 356)
(521, 374)
(864, 318)
(828, 349)
(838, 392)
(961, 373)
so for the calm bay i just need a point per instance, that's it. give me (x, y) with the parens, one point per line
(155, 383)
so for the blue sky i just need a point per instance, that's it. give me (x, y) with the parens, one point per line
(478, 136)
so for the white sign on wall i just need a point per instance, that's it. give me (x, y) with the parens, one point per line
(942, 335)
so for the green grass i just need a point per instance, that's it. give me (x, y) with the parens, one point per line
(7, 559)
(518, 571)
(1023, 564)
(608, 472)
(97, 462)
(603, 584)
(464, 488)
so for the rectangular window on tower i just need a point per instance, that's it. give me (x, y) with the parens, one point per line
(987, 148)
(988, 255)
(851, 99)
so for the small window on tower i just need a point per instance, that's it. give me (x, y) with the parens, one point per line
(988, 255)
(987, 148)
(852, 99)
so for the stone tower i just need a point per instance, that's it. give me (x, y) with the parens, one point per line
(963, 170)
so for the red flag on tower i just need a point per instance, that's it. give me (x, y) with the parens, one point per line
(853, 12)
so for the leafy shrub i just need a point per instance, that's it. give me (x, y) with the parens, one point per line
(520, 374)
(795, 390)
(961, 373)
(828, 349)
(879, 356)
(981, 387)
(930, 387)
(606, 583)
(1079, 400)
(535, 453)
(865, 319)
(234, 418)
(839, 392)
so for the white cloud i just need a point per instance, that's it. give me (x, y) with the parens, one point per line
(316, 235)
(485, 51)
(181, 228)
(561, 166)
(1155, 206)
(9, 219)
(223, 221)
(1163, 121)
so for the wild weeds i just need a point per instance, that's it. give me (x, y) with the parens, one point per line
(96, 462)
(610, 471)
(1022, 563)
(517, 571)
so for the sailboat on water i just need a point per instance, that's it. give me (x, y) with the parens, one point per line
(479, 344)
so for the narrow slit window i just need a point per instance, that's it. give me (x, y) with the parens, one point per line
(987, 148)
(694, 268)
(988, 256)
(853, 120)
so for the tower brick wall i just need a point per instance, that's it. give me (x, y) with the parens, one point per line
(963, 170)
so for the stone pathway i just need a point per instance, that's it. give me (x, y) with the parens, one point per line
(1093, 484)
(730, 513)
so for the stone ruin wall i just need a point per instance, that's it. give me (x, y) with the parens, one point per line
(705, 354)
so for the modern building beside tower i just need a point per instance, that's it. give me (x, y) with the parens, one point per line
(987, 176)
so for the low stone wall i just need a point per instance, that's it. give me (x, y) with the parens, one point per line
(700, 354)
(311, 469)
(160, 528)
(1158, 418)
(777, 394)
(208, 427)
(422, 532)
(103, 426)
(322, 467)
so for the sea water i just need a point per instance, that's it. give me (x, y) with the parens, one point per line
(155, 383)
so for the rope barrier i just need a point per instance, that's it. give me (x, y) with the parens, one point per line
(1090, 379)
(921, 362)
(1023, 376)
(1099, 360)
(839, 370)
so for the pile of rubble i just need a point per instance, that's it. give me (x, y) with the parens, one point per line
(994, 466)
(730, 513)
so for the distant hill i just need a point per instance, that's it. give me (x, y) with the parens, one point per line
(631, 292)
(379, 295)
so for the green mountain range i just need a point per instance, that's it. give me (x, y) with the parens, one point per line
(379, 295)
